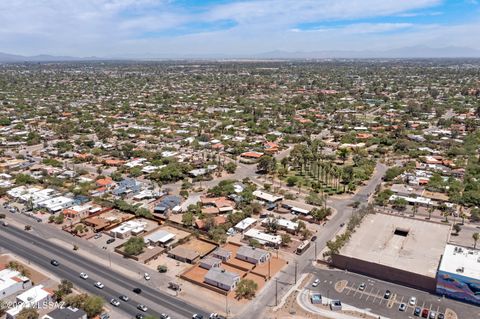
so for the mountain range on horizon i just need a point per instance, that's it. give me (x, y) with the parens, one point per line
(405, 52)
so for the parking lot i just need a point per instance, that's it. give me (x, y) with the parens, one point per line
(335, 284)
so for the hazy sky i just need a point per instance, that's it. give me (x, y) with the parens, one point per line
(148, 27)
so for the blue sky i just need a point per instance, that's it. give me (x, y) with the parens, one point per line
(205, 27)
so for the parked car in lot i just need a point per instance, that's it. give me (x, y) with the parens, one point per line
(97, 236)
(387, 294)
(402, 307)
(412, 301)
(425, 313)
(441, 316)
(115, 302)
(433, 315)
(316, 282)
(417, 311)
(83, 275)
(361, 287)
(123, 298)
(142, 308)
(99, 285)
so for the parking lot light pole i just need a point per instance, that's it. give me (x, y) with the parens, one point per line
(296, 264)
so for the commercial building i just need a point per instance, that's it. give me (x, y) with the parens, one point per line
(459, 274)
(131, 227)
(403, 250)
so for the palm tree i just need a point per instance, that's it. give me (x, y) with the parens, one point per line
(431, 209)
(476, 237)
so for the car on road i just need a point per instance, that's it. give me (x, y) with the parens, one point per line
(387, 294)
(142, 307)
(83, 275)
(99, 285)
(137, 290)
(197, 316)
(342, 224)
(111, 240)
(362, 286)
(316, 282)
(164, 316)
(5, 223)
(115, 302)
(417, 311)
(441, 316)
(313, 238)
(54, 262)
(402, 307)
(139, 316)
(433, 315)
(146, 276)
(123, 298)
(412, 301)
(425, 313)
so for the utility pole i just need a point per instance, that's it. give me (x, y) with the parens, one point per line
(315, 257)
(226, 305)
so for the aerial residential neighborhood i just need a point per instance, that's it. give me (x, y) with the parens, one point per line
(155, 164)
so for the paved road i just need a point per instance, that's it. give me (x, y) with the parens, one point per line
(286, 278)
(371, 299)
(40, 251)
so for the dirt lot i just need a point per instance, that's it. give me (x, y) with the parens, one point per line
(36, 276)
(200, 246)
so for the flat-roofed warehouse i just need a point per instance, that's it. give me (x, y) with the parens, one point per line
(397, 249)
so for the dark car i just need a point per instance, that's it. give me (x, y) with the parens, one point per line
(425, 313)
(137, 290)
(139, 316)
(197, 316)
(441, 316)
(313, 238)
(55, 262)
(111, 240)
(417, 311)
(387, 294)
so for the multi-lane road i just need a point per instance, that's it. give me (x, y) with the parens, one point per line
(40, 252)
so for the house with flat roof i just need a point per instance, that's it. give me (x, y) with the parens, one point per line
(263, 238)
(222, 254)
(184, 254)
(222, 279)
(210, 262)
(266, 197)
(11, 282)
(282, 223)
(131, 227)
(34, 297)
(245, 224)
(252, 255)
(159, 238)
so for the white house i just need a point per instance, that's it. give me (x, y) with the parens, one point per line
(222, 279)
(252, 255)
(35, 297)
(11, 282)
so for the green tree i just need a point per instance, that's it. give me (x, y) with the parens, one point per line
(230, 167)
(28, 313)
(267, 164)
(246, 288)
(93, 306)
(286, 239)
(134, 246)
(188, 219)
(457, 228)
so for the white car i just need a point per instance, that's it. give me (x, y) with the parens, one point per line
(146, 276)
(83, 275)
(115, 302)
(412, 301)
(99, 285)
(142, 308)
(316, 282)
